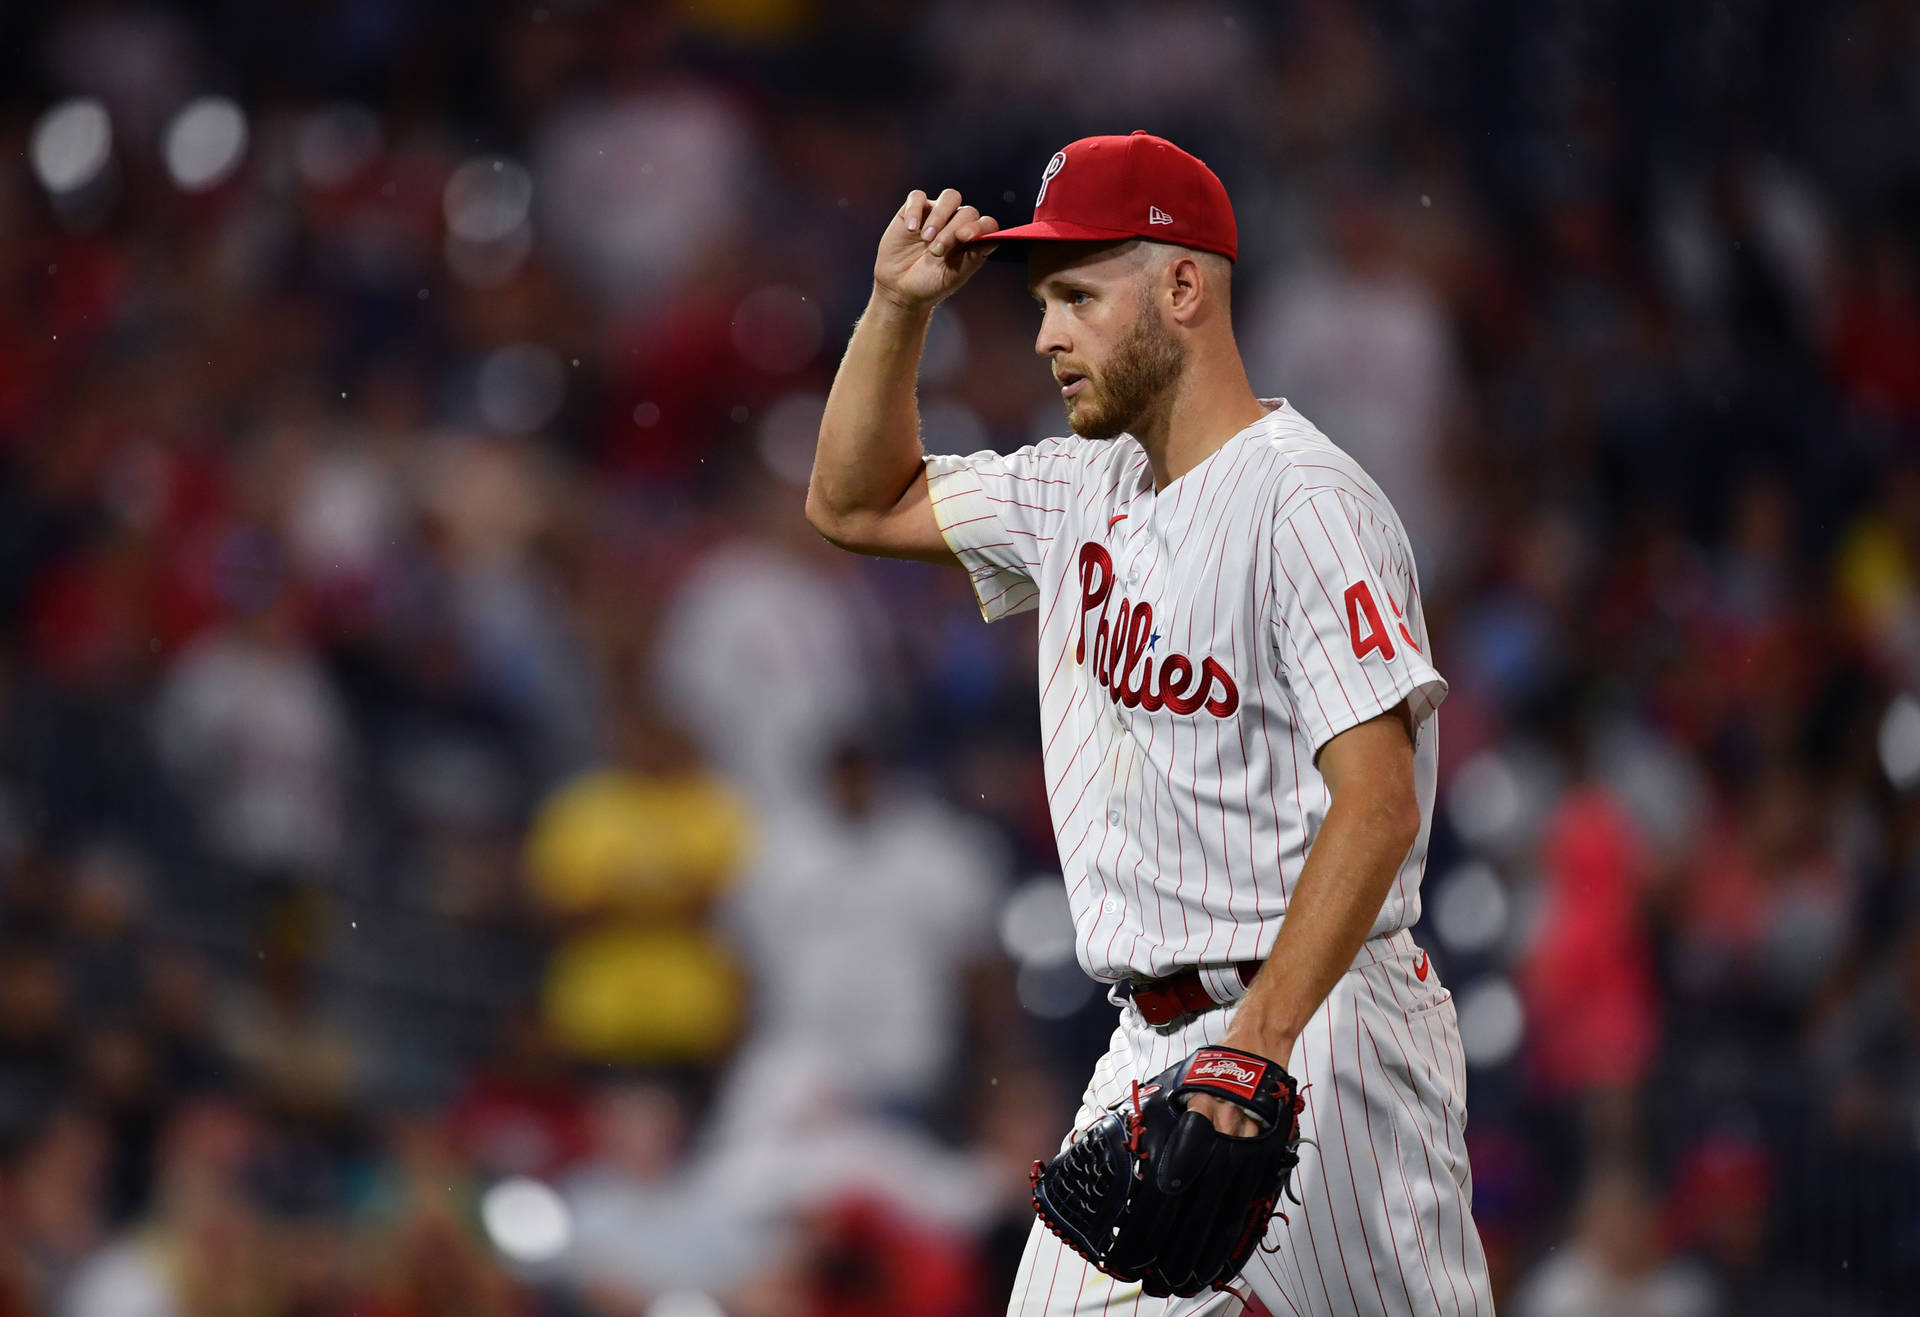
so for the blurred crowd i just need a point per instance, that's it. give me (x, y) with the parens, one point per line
(467, 847)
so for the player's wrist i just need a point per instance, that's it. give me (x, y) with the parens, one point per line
(900, 308)
(1249, 1033)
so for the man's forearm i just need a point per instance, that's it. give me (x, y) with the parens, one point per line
(869, 450)
(1362, 843)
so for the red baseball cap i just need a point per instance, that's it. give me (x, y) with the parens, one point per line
(1106, 189)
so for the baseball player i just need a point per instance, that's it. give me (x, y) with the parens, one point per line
(1237, 709)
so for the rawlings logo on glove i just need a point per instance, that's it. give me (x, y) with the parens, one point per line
(1220, 1067)
(1153, 1193)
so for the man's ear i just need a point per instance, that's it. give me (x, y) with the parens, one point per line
(1187, 287)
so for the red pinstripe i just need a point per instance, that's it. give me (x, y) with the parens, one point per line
(1016, 503)
(1120, 923)
(1246, 779)
(1427, 1138)
(1159, 896)
(1360, 1065)
(1279, 1287)
(1346, 1146)
(1332, 667)
(1341, 562)
(1373, 1150)
(1456, 1141)
(1307, 680)
(1193, 786)
(989, 603)
(1079, 698)
(1054, 1279)
(1075, 758)
(1306, 1079)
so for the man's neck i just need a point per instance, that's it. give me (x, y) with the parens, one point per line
(1205, 409)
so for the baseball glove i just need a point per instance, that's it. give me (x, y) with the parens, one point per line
(1152, 1192)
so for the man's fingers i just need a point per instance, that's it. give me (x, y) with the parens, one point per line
(1226, 1117)
(913, 210)
(943, 207)
(950, 232)
(983, 227)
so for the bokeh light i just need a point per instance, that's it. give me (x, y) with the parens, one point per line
(1053, 992)
(1484, 801)
(685, 1303)
(526, 1220)
(1899, 741)
(1470, 908)
(1492, 1022)
(1036, 926)
(205, 143)
(788, 433)
(72, 143)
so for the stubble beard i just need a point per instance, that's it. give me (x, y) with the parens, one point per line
(1144, 368)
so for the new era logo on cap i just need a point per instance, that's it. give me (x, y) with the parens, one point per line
(1155, 215)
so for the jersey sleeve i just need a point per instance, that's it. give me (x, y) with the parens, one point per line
(998, 513)
(1352, 632)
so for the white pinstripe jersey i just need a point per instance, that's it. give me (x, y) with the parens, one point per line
(1198, 645)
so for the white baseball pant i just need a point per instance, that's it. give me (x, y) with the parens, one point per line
(1386, 1226)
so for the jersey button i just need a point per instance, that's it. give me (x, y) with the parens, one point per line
(1111, 905)
(1113, 817)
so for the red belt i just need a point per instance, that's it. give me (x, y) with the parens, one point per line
(1162, 1001)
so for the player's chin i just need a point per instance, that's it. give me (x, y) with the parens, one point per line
(1091, 422)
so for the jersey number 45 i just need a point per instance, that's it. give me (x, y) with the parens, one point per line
(1367, 629)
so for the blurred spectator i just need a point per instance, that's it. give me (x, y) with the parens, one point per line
(205, 1248)
(865, 1262)
(643, 191)
(1612, 1264)
(1875, 343)
(1361, 345)
(522, 1112)
(629, 859)
(279, 1030)
(426, 1261)
(1718, 1210)
(862, 919)
(58, 1213)
(1870, 1053)
(1587, 979)
(649, 1218)
(1767, 909)
(35, 1031)
(250, 724)
(772, 654)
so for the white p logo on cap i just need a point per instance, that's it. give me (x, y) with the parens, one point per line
(1053, 167)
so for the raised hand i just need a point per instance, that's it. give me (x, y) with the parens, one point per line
(921, 260)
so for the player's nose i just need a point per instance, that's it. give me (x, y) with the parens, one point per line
(1052, 338)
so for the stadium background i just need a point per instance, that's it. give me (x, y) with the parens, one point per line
(467, 848)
